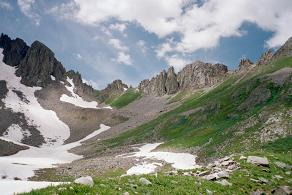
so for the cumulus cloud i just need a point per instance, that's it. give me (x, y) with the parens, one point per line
(26, 7)
(194, 24)
(5, 5)
(78, 56)
(123, 56)
(118, 27)
(142, 46)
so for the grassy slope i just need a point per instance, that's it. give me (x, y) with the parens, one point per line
(218, 122)
(129, 96)
(219, 117)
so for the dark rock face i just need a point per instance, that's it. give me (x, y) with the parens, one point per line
(113, 89)
(244, 64)
(38, 66)
(265, 58)
(13, 50)
(193, 76)
(3, 89)
(81, 88)
(285, 50)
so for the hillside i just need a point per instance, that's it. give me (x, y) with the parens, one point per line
(203, 128)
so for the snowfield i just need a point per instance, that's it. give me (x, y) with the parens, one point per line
(75, 99)
(177, 160)
(23, 164)
(46, 121)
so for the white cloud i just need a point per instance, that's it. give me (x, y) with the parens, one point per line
(177, 62)
(116, 43)
(142, 46)
(124, 58)
(78, 56)
(194, 25)
(92, 83)
(5, 5)
(121, 27)
(26, 7)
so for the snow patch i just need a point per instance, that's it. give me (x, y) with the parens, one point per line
(24, 163)
(75, 99)
(11, 187)
(53, 78)
(177, 160)
(16, 133)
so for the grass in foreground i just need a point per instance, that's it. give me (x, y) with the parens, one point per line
(243, 180)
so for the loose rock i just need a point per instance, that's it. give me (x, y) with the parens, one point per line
(145, 181)
(85, 181)
(258, 160)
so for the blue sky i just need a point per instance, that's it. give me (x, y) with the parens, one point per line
(135, 39)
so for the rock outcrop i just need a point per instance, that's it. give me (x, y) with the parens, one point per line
(285, 50)
(39, 65)
(244, 65)
(81, 88)
(13, 50)
(194, 76)
(113, 89)
(199, 75)
(265, 58)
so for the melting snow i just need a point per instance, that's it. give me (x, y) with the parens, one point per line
(16, 133)
(75, 99)
(10, 187)
(177, 160)
(53, 78)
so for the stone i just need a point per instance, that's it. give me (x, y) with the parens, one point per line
(282, 190)
(257, 192)
(224, 182)
(263, 180)
(209, 192)
(144, 181)
(223, 174)
(258, 160)
(277, 177)
(85, 181)
(39, 65)
(242, 157)
(126, 193)
(280, 164)
(211, 177)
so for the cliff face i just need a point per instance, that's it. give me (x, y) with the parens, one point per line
(13, 50)
(193, 76)
(39, 65)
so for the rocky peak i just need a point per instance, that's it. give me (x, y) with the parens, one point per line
(39, 65)
(244, 64)
(285, 50)
(199, 75)
(13, 50)
(113, 89)
(193, 76)
(81, 88)
(265, 58)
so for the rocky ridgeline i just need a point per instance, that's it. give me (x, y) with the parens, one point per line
(112, 90)
(193, 76)
(285, 50)
(37, 65)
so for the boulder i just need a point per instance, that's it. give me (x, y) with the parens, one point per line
(85, 181)
(258, 160)
(145, 181)
(224, 182)
(282, 190)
